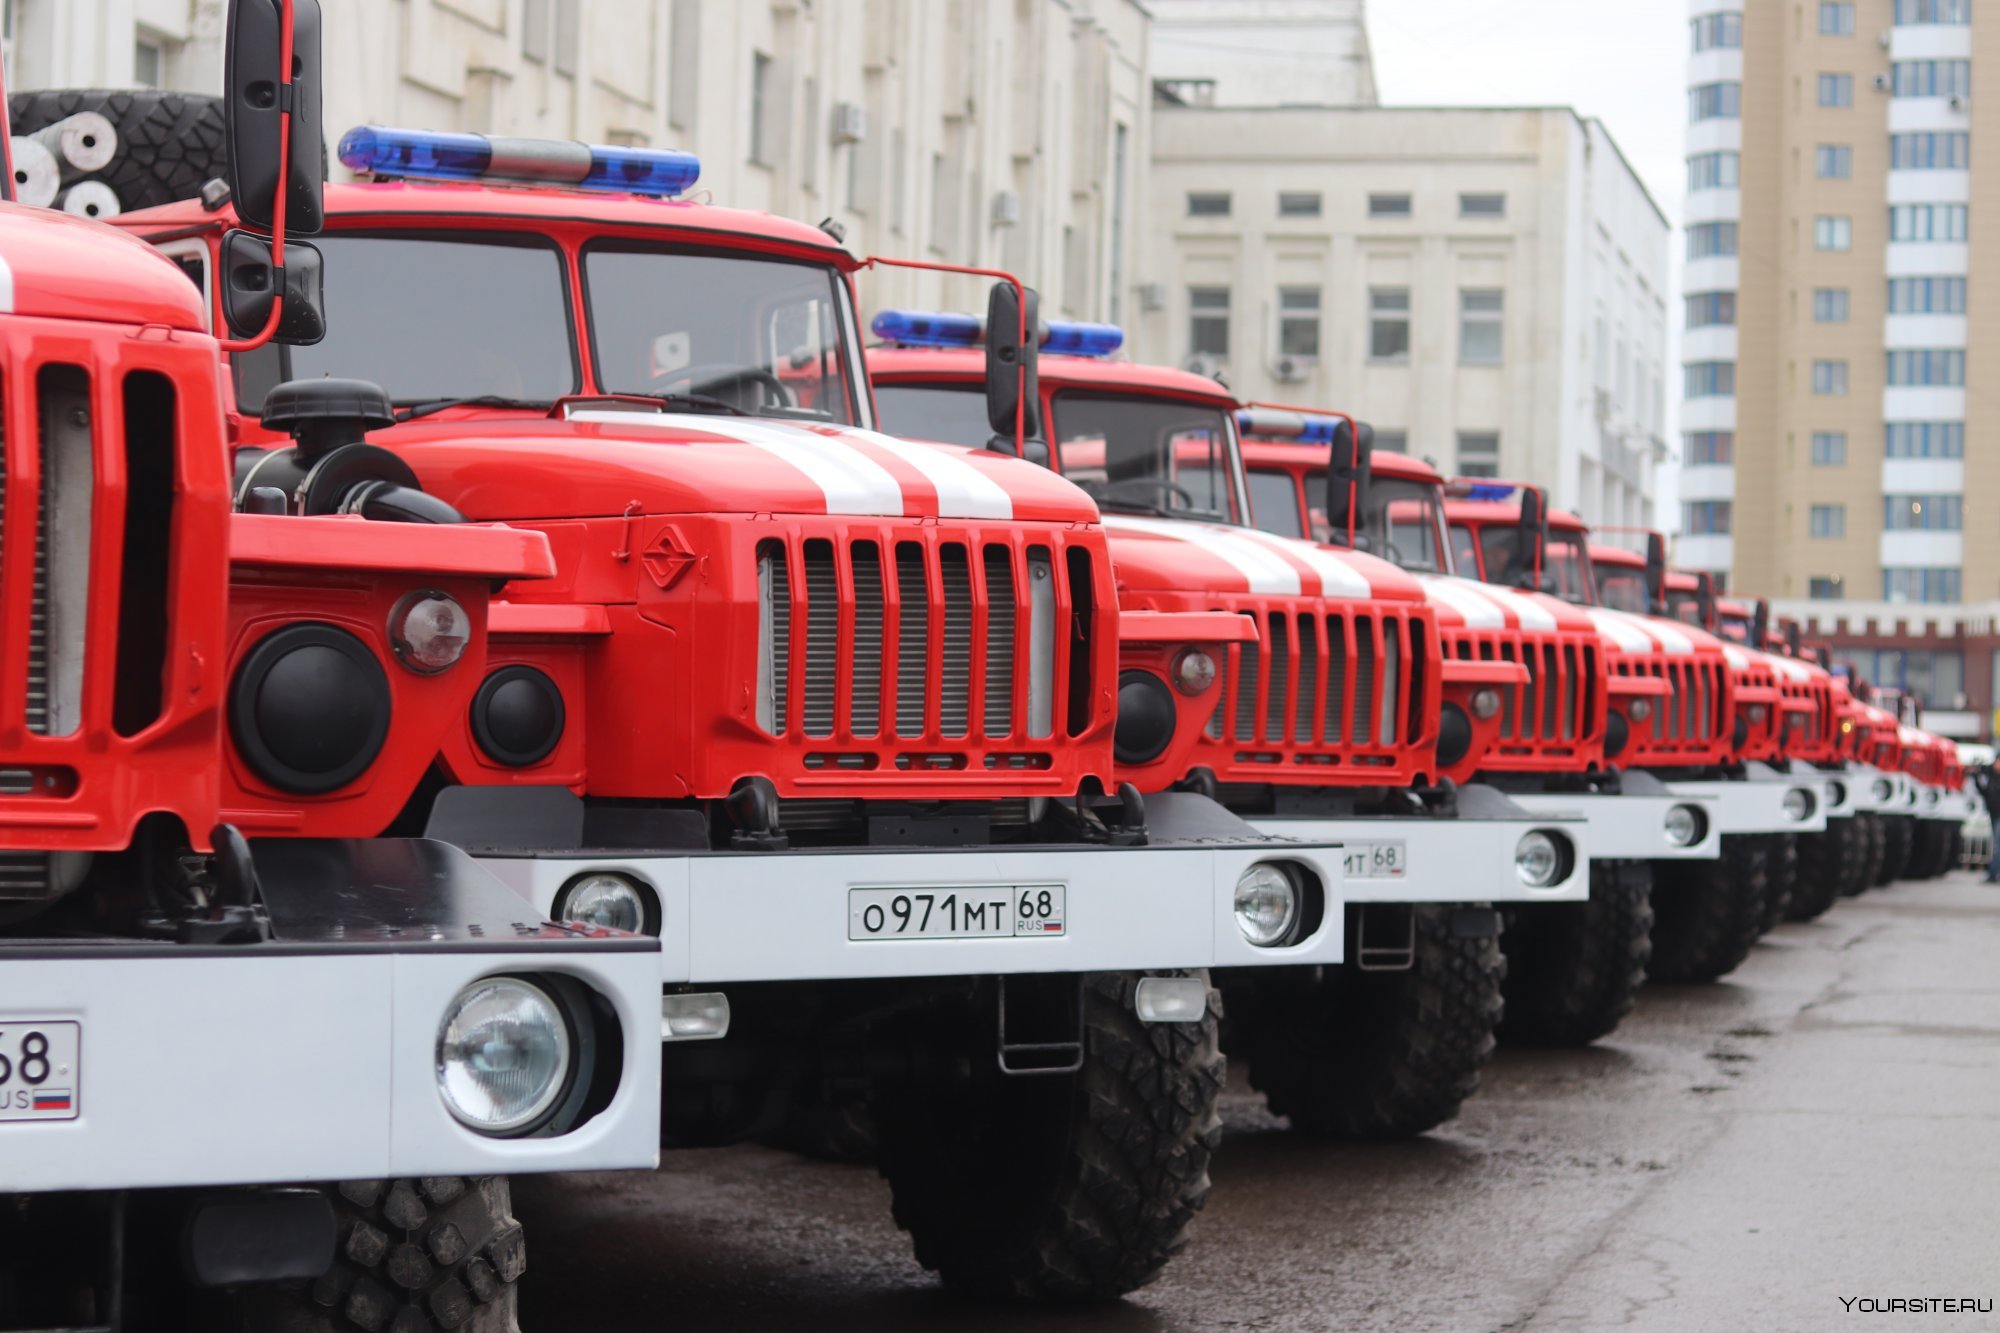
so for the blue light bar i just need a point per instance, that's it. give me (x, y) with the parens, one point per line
(1066, 337)
(1491, 492)
(1295, 427)
(438, 155)
(927, 328)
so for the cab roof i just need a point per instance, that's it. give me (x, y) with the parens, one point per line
(472, 201)
(1059, 371)
(1616, 555)
(1506, 511)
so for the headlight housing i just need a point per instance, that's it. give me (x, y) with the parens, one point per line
(1684, 825)
(504, 1052)
(1267, 905)
(1836, 793)
(1485, 702)
(609, 900)
(429, 631)
(1881, 788)
(1194, 671)
(1539, 860)
(1640, 709)
(1756, 713)
(1798, 804)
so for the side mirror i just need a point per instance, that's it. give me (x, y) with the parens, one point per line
(1347, 474)
(249, 285)
(1705, 599)
(1013, 366)
(1533, 528)
(1656, 573)
(252, 113)
(1760, 625)
(1792, 637)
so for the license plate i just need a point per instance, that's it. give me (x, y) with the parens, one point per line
(1376, 860)
(40, 1070)
(963, 912)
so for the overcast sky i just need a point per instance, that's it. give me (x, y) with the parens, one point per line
(1623, 61)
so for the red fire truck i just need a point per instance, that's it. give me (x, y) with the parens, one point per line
(831, 714)
(259, 1013)
(1343, 720)
(1704, 737)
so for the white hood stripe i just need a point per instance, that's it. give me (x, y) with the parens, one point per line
(1478, 612)
(6, 288)
(850, 481)
(1630, 637)
(1671, 637)
(1528, 612)
(963, 491)
(1735, 657)
(1262, 571)
(1337, 578)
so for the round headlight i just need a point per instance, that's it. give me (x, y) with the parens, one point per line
(1641, 709)
(1836, 793)
(429, 631)
(1194, 671)
(1485, 702)
(503, 1055)
(1798, 803)
(1756, 713)
(1930, 796)
(1881, 788)
(1454, 735)
(1538, 860)
(309, 709)
(611, 901)
(1145, 718)
(1267, 905)
(1684, 825)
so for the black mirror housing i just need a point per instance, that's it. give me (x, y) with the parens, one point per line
(1705, 598)
(1760, 625)
(249, 285)
(1656, 573)
(252, 114)
(1013, 364)
(1533, 528)
(1347, 473)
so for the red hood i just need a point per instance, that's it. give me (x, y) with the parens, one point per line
(1469, 604)
(1624, 632)
(62, 267)
(598, 464)
(1177, 555)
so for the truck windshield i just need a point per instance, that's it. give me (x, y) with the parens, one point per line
(1565, 564)
(1736, 629)
(1402, 521)
(1684, 605)
(941, 413)
(1148, 455)
(765, 336)
(1622, 589)
(434, 317)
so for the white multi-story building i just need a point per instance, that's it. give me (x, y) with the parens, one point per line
(1485, 285)
(1263, 52)
(992, 132)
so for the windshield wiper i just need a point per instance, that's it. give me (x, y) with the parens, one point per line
(700, 402)
(415, 410)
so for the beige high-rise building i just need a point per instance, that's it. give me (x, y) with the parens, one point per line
(1843, 185)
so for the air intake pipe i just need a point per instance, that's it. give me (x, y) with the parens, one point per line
(331, 468)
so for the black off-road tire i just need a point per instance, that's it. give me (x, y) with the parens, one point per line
(1937, 844)
(1826, 862)
(1348, 1054)
(831, 1130)
(169, 144)
(1062, 1187)
(1955, 857)
(1574, 969)
(1707, 914)
(412, 1256)
(1869, 864)
(1898, 831)
(1781, 852)
(1924, 850)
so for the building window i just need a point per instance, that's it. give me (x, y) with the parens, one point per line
(1394, 441)
(1927, 296)
(1927, 222)
(1829, 448)
(1301, 205)
(1833, 161)
(1829, 305)
(1711, 240)
(1715, 101)
(1705, 518)
(1208, 204)
(1836, 18)
(1931, 78)
(1478, 453)
(1933, 11)
(1836, 90)
(1824, 588)
(1480, 313)
(1298, 321)
(1712, 31)
(1833, 233)
(1931, 150)
(760, 108)
(1827, 522)
(1388, 323)
(1715, 171)
(1923, 513)
(1388, 205)
(1923, 439)
(1482, 205)
(1911, 584)
(1709, 379)
(148, 61)
(1829, 378)
(1705, 309)
(1933, 367)
(1710, 448)
(1208, 321)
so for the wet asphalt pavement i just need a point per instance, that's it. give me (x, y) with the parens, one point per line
(1825, 1123)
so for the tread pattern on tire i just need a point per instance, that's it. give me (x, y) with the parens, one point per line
(1897, 833)
(169, 143)
(1781, 867)
(1707, 914)
(413, 1256)
(1574, 969)
(1826, 862)
(1063, 1187)
(1861, 876)
(1379, 1055)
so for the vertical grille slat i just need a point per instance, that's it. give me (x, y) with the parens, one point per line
(1364, 679)
(1278, 689)
(955, 689)
(822, 638)
(62, 550)
(864, 687)
(1249, 667)
(1305, 680)
(1335, 694)
(913, 690)
(1001, 611)
(774, 629)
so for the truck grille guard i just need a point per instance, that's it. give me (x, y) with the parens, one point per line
(1559, 713)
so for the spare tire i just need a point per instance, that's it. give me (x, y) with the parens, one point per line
(169, 144)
